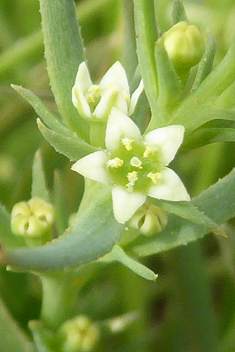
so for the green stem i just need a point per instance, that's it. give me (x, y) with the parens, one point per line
(59, 297)
(197, 316)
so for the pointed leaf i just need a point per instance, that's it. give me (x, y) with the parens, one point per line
(206, 63)
(93, 234)
(178, 13)
(217, 202)
(60, 203)
(64, 52)
(73, 148)
(138, 268)
(47, 116)
(39, 188)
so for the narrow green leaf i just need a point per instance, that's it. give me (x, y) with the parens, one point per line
(146, 35)
(217, 202)
(12, 338)
(6, 236)
(204, 136)
(138, 268)
(60, 205)
(93, 234)
(206, 63)
(178, 13)
(170, 86)
(188, 211)
(47, 116)
(64, 52)
(73, 148)
(39, 188)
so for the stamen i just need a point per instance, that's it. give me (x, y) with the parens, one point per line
(132, 178)
(154, 176)
(116, 162)
(93, 94)
(148, 151)
(127, 142)
(136, 162)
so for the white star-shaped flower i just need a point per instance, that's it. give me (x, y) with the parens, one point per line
(135, 166)
(96, 101)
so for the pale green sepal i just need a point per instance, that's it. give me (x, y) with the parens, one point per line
(12, 337)
(7, 238)
(73, 148)
(170, 86)
(39, 188)
(47, 116)
(88, 238)
(217, 202)
(107, 101)
(64, 52)
(206, 63)
(138, 268)
(178, 13)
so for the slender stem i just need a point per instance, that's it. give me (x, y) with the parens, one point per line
(97, 134)
(197, 315)
(59, 297)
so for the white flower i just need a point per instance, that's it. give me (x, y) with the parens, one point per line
(96, 101)
(135, 166)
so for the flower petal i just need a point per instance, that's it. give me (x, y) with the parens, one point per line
(171, 187)
(167, 140)
(80, 103)
(107, 101)
(83, 80)
(116, 75)
(135, 97)
(93, 166)
(125, 203)
(120, 125)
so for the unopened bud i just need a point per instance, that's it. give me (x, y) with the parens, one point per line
(184, 45)
(79, 334)
(149, 219)
(32, 218)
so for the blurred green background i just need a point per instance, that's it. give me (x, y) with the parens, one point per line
(166, 319)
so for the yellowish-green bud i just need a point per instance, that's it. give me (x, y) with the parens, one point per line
(149, 219)
(79, 334)
(33, 218)
(184, 45)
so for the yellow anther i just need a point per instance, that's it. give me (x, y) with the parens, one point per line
(132, 177)
(116, 162)
(148, 151)
(136, 162)
(154, 176)
(93, 94)
(127, 142)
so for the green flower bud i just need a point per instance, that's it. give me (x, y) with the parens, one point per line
(184, 45)
(149, 219)
(79, 334)
(32, 219)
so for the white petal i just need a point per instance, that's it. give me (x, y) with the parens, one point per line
(93, 166)
(125, 203)
(167, 140)
(171, 188)
(116, 75)
(83, 80)
(120, 125)
(135, 97)
(80, 103)
(107, 101)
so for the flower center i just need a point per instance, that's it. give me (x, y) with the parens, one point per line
(135, 166)
(93, 96)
